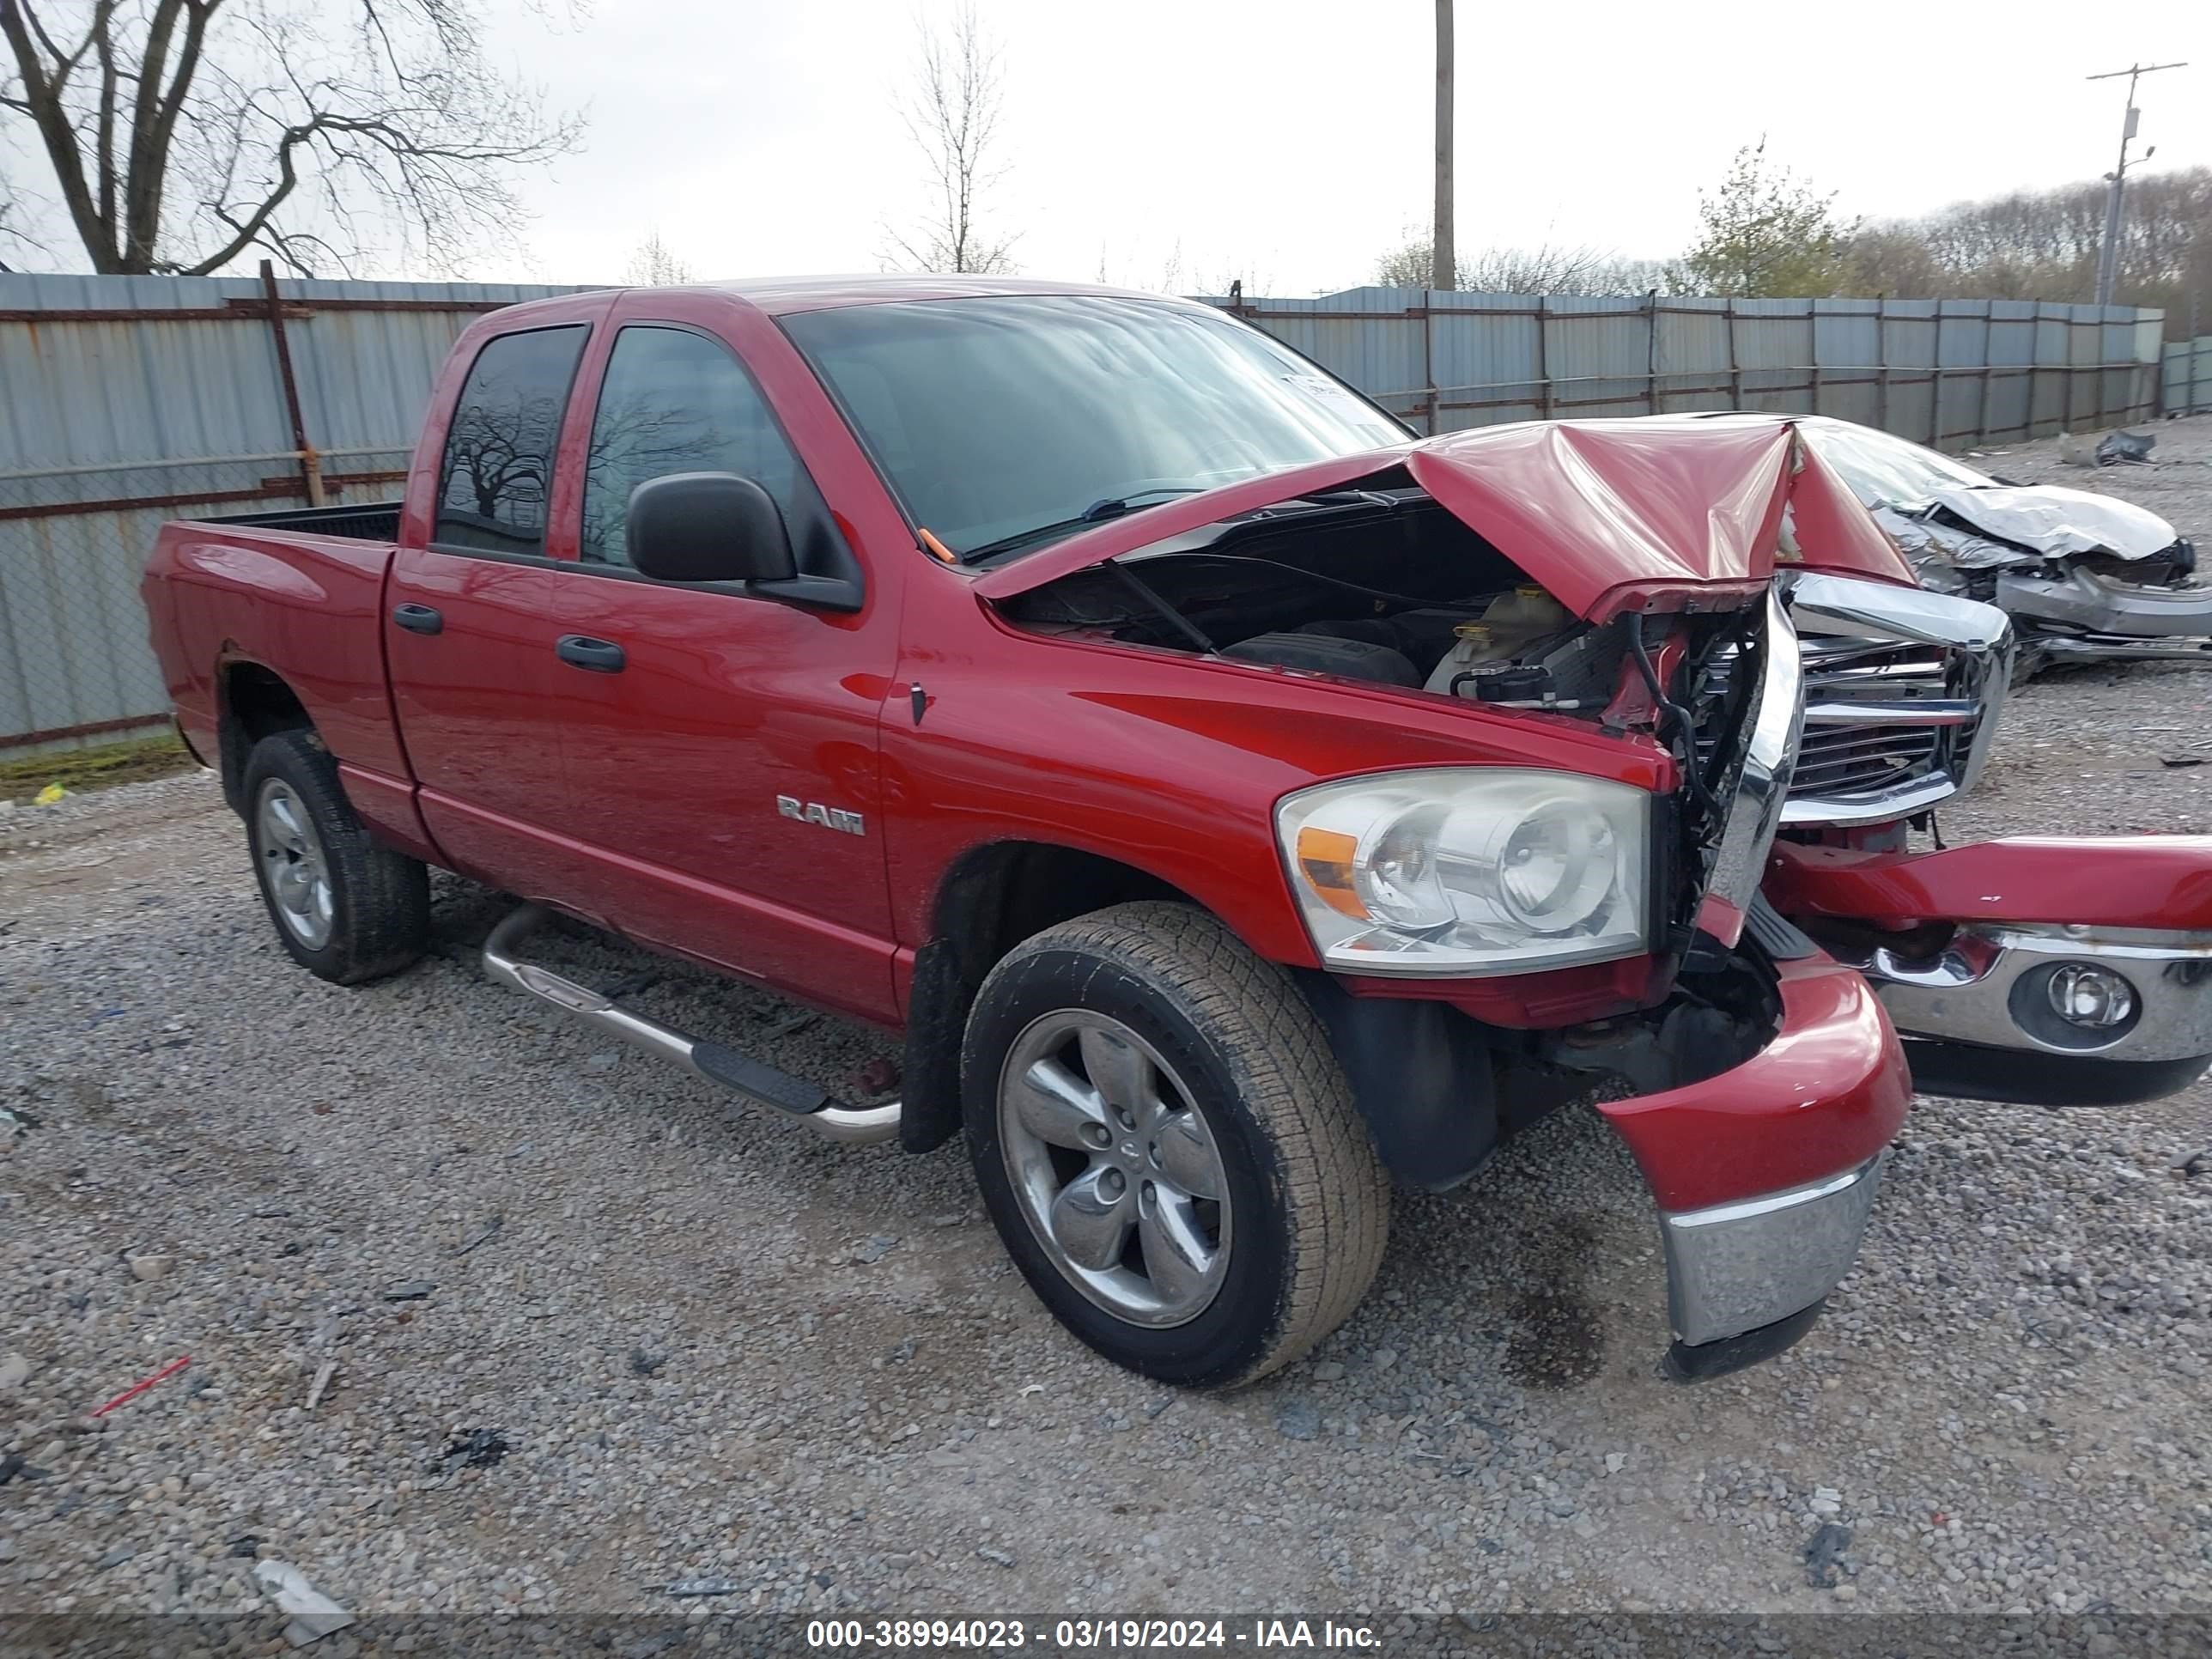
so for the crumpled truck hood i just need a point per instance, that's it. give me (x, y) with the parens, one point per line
(1609, 515)
(2043, 520)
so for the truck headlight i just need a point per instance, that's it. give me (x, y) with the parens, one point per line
(1464, 871)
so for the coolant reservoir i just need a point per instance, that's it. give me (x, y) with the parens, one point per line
(1512, 621)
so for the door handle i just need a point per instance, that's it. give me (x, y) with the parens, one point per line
(419, 618)
(582, 650)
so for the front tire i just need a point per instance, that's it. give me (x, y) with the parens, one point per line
(344, 909)
(1168, 1147)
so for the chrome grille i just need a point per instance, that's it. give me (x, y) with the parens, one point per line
(1849, 751)
(1902, 690)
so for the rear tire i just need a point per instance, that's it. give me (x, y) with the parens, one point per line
(344, 908)
(1215, 1208)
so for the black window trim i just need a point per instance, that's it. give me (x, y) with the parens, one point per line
(848, 592)
(567, 397)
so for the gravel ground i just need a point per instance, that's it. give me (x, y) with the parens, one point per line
(648, 1338)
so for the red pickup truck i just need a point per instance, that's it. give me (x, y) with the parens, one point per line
(1238, 805)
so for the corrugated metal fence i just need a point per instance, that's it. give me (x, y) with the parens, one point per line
(2188, 376)
(1945, 372)
(127, 400)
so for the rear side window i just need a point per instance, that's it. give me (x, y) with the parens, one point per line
(498, 451)
(678, 401)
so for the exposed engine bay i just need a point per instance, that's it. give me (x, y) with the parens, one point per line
(1378, 584)
(1382, 585)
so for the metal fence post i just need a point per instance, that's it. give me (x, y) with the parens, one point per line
(1429, 357)
(1812, 340)
(1651, 352)
(1988, 347)
(1543, 361)
(1881, 364)
(1735, 369)
(2067, 339)
(311, 465)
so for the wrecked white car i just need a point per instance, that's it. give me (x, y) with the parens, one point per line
(2084, 576)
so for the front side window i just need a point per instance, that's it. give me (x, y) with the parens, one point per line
(1006, 423)
(498, 451)
(673, 401)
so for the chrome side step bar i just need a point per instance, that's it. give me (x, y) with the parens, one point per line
(854, 1125)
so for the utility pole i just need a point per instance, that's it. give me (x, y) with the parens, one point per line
(1444, 265)
(2108, 250)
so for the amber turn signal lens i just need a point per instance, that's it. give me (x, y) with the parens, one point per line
(1325, 858)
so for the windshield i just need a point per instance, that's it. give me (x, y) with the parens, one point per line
(1004, 423)
(1881, 469)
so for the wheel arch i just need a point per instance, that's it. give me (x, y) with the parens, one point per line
(252, 702)
(1422, 1075)
(989, 899)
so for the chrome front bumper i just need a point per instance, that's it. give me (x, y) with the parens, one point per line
(2096, 605)
(1736, 1267)
(1990, 986)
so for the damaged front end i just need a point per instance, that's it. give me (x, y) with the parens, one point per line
(2102, 611)
(2087, 577)
(1616, 577)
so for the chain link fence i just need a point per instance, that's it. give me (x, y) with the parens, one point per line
(130, 400)
(75, 665)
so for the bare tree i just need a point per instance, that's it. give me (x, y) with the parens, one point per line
(1547, 268)
(952, 113)
(2043, 245)
(182, 133)
(654, 266)
(1248, 277)
(12, 233)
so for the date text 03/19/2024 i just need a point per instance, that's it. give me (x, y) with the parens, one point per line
(1106, 1635)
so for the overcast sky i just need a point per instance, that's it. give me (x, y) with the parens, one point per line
(1290, 139)
(1171, 143)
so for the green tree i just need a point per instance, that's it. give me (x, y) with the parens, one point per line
(1765, 233)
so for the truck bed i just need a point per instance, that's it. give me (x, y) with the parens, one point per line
(299, 598)
(367, 521)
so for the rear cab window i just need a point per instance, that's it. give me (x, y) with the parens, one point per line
(497, 472)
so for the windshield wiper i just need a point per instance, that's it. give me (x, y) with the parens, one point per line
(1113, 507)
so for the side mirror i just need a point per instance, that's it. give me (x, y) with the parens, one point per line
(708, 527)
